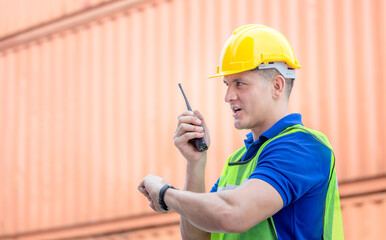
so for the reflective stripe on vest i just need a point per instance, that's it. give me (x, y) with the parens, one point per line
(236, 172)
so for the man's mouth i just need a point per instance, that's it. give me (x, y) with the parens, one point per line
(235, 110)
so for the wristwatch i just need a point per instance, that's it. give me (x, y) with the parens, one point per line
(162, 194)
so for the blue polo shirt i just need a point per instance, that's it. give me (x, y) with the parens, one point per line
(298, 167)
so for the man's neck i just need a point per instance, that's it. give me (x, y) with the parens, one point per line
(267, 125)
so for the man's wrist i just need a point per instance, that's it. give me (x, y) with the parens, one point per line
(161, 196)
(199, 163)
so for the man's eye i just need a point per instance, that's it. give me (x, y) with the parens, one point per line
(239, 83)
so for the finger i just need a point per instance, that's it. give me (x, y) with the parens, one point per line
(186, 113)
(152, 205)
(150, 200)
(184, 128)
(199, 116)
(187, 136)
(159, 209)
(146, 194)
(141, 187)
(189, 120)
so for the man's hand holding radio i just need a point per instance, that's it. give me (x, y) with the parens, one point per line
(190, 127)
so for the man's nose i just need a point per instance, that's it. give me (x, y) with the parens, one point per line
(230, 95)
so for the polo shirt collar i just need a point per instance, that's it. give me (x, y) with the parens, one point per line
(278, 127)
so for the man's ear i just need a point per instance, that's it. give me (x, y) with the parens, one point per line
(278, 86)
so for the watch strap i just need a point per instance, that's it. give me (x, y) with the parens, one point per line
(162, 194)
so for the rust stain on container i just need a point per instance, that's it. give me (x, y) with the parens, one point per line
(89, 103)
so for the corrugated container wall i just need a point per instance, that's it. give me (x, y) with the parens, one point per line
(21, 15)
(89, 104)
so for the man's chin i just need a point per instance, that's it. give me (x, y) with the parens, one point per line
(238, 125)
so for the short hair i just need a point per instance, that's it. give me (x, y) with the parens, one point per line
(270, 73)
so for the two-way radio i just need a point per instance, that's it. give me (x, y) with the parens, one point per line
(199, 143)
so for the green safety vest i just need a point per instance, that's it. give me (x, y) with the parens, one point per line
(236, 172)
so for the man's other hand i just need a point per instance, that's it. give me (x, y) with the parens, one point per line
(150, 187)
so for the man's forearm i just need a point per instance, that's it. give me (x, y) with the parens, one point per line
(195, 182)
(195, 177)
(191, 232)
(205, 211)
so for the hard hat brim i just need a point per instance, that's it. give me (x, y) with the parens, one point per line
(227, 73)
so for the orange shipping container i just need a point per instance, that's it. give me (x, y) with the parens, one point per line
(18, 15)
(89, 102)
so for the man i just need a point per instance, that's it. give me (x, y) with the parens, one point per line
(282, 183)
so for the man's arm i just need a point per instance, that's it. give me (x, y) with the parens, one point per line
(228, 211)
(231, 211)
(195, 167)
(195, 182)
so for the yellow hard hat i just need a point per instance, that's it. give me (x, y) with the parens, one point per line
(252, 46)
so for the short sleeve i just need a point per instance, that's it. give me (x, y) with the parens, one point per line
(295, 165)
(215, 186)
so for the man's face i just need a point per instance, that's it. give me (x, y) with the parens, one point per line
(250, 99)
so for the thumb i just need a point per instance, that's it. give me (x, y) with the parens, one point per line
(198, 114)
